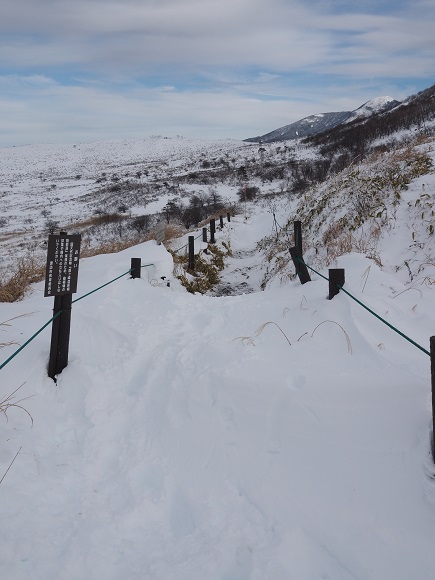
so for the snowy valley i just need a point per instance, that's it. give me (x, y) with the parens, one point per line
(256, 431)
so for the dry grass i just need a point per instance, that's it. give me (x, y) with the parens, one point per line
(249, 340)
(206, 274)
(338, 242)
(98, 220)
(349, 344)
(28, 271)
(11, 402)
(173, 232)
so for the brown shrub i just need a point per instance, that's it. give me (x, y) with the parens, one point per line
(28, 271)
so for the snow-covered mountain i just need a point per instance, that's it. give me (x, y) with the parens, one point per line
(321, 122)
(374, 107)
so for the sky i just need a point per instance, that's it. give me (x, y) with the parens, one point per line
(212, 69)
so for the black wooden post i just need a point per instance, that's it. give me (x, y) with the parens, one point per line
(191, 265)
(336, 280)
(135, 267)
(301, 269)
(298, 235)
(228, 216)
(63, 253)
(432, 368)
(204, 234)
(221, 220)
(60, 333)
(212, 231)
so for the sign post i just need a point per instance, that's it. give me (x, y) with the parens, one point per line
(432, 368)
(61, 277)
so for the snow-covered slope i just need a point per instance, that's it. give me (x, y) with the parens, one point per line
(321, 122)
(272, 435)
(66, 185)
(304, 128)
(374, 106)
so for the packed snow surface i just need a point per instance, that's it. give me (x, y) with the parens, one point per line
(273, 435)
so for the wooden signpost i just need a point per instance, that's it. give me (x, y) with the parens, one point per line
(432, 368)
(61, 277)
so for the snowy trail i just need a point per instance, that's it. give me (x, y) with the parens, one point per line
(180, 445)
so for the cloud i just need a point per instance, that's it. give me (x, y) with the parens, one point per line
(103, 35)
(250, 63)
(51, 112)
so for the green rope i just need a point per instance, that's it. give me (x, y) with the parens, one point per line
(13, 355)
(30, 339)
(107, 283)
(370, 310)
(315, 271)
(384, 321)
(99, 288)
(182, 247)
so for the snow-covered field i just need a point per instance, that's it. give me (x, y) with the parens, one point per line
(68, 184)
(267, 436)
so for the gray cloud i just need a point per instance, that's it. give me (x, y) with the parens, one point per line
(252, 64)
(138, 36)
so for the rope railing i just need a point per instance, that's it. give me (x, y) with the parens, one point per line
(185, 245)
(368, 309)
(209, 229)
(59, 312)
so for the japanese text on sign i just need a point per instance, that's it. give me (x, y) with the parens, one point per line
(62, 269)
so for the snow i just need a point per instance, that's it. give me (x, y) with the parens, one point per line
(66, 184)
(187, 439)
(373, 106)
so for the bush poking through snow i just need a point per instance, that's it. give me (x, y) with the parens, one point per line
(207, 268)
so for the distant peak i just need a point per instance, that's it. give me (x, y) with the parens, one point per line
(376, 105)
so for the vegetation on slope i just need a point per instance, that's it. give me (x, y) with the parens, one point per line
(353, 210)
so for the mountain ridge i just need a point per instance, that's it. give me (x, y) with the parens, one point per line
(321, 122)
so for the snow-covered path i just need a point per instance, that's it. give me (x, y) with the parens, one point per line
(179, 444)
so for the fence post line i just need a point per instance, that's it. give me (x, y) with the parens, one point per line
(298, 235)
(191, 265)
(336, 279)
(212, 231)
(228, 217)
(221, 220)
(432, 368)
(301, 269)
(135, 267)
(204, 235)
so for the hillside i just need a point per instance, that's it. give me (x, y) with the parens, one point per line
(113, 193)
(252, 429)
(266, 435)
(324, 122)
